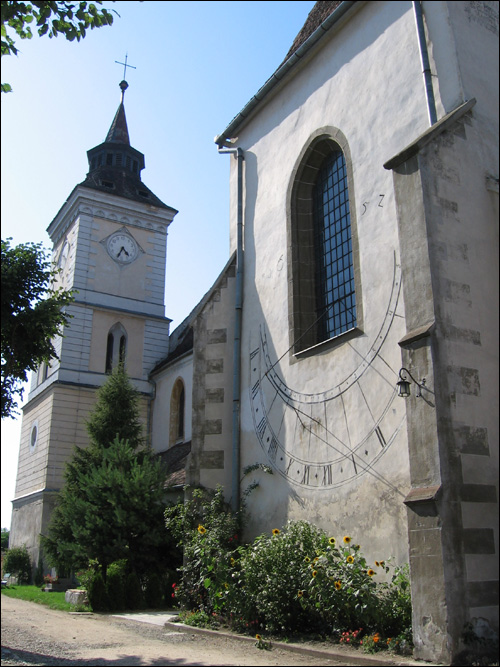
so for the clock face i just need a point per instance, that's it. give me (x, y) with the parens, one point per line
(332, 437)
(122, 248)
(63, 257)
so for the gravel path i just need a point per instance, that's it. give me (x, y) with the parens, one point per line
(35, 635)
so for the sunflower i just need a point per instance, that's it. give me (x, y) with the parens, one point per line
(314, 573)
(377, 563)
(233, 561)
(338, 585)
(347, 539)
(307, 559)
(300, 594)
(201, 529)
(350, 559)
(332, 541)
(258, 638)
(370, 573)
(276, 531)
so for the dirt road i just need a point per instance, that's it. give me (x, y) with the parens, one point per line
(35, 635)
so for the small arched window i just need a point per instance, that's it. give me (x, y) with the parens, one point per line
(116, 347)
(322, 246)
(177, 413)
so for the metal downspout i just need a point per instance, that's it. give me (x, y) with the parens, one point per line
(424, 56)
(235, 471)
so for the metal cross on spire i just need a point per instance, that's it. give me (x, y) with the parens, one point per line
(125, 66)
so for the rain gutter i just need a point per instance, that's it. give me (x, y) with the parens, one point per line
(235, 468)
(424, 57)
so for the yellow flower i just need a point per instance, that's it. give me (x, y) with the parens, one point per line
(370, 573)
(316, 560)
(233, 561)
(382, 563)
(276, 531)
(201, 529)
(347, 539)
(300, 594)
(314, 573)
(258, 638)
(377, 563)
(350, 559)
(307, 559)
(338, 585)
(332, 541)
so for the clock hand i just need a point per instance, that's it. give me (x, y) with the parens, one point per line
(122, 250)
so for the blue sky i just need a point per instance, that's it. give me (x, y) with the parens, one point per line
(197, 65)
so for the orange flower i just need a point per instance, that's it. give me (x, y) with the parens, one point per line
(347, 539)
(276, 531)
(376, 638)
(370, 572)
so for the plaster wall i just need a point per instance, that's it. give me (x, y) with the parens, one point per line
(165, 381)
(378, 109)
(30, 517)
(32, 461)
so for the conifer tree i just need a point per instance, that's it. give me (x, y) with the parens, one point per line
(111, 506)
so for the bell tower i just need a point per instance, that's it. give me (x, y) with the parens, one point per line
(109, 242)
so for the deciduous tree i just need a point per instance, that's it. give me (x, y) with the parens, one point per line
(71, 19)
(33, 314)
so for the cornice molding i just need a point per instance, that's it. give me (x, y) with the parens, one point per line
(104, 206)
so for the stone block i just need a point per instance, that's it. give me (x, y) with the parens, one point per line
(76, 597)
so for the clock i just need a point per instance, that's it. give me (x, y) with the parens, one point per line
(63, 256)
(321, 440)
(122, 247)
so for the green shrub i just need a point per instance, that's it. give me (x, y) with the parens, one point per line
(208, 531)
(17, 562)
(133, 592)
(270, 575)
(342, 586)
(115, 584)
(395, 604)
(295, 580)
(96, 592)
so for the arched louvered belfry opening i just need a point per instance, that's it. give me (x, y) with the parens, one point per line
(116, 347)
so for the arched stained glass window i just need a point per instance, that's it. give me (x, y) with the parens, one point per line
(324, 289)
(334, 271)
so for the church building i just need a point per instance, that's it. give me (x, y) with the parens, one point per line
(350, 344)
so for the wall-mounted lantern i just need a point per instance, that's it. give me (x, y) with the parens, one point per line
(404, 383)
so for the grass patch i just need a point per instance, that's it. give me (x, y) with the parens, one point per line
(53, 600)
